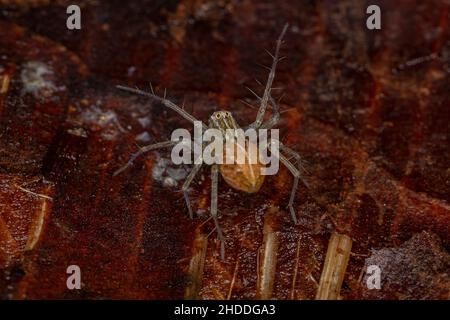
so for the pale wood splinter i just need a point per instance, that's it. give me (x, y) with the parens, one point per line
(334, 268)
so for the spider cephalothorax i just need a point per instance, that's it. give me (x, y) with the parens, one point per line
(223, 120)
(244, 176)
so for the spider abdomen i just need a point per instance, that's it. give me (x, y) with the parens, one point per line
(245, 176)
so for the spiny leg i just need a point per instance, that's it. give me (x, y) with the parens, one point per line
(296, 173)
(214, 197)
(298, 159)
(186, 185)
(163, 100)
(274, 118)
(143, 150)
(265, 98)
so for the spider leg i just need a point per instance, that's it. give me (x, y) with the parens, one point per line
(143, 150)
(163, 100)
(296, 173)
(265, 97)
(274, 118)
(186, 185)
(298, 159)
(214, 197)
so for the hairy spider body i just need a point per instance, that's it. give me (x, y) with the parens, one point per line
(245, 177)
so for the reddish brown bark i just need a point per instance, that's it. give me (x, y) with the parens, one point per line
(368, 110)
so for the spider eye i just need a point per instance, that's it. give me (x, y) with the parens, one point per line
(218, 115)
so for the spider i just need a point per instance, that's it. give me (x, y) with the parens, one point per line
(246, 177)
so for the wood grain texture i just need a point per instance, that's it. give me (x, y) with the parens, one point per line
(367, 110)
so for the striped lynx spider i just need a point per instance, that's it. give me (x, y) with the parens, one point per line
(245, 177)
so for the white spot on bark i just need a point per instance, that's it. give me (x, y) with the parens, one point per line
(167, 175)
(143, 137)
(36, 79)
(106, 121)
